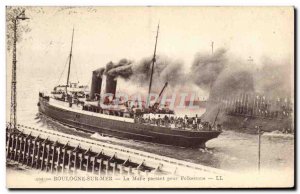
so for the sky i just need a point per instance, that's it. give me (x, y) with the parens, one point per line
(104, 34)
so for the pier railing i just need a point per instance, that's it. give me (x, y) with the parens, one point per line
(59, 152)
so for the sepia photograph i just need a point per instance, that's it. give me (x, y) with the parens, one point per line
(150, 97)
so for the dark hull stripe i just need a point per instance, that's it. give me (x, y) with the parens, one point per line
(127, 130)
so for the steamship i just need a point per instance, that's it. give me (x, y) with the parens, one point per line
(85, 112)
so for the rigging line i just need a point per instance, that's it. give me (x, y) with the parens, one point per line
(63, 70)
(75, 67)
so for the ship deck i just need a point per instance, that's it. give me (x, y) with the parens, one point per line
(78, 109)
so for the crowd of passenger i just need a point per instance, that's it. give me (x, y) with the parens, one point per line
(186, 123)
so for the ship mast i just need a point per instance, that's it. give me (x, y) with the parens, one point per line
(152, 68)
(70, 59)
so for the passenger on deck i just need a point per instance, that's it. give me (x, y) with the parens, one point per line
(166, 121)
(209, 127)
(185, 121)
(63, 96)
(158, 121)
(69, 98)
(219, 127)
(199, 125)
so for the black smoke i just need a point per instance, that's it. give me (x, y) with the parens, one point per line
(165, 70)
(121, 69)
(219, 74)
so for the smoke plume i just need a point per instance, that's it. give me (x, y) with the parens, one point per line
(231, 83)
(222, 75)
(275, 78)
(121, 69)
(99, 72)
(165, 70)
(207, 67)
(219, 74)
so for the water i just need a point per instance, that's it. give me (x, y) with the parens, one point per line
(233, 151)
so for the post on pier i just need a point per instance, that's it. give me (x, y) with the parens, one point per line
(75, 162)
(63, 160)
(28, 151)
(58, 159)
(17, 146)
(8, 137)
(107, 167)
(146, 173)
(38, 155)
(114, 166)
(20, 149)
(53, 157)
(47, 158)
(87, 162)
(129, 171)
(43, 155)
(100, 166)
(12, 146)
(93, 159)
(80, 155)
(259, 132)
(70, 153)
(33, 153)
(121, 169)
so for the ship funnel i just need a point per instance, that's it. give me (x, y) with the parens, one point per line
(96, 83)
(111, 85)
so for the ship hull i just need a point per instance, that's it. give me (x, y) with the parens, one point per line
(127, 130)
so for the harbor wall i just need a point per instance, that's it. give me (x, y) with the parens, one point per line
(247, 111)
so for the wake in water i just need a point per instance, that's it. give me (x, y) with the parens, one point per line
(108, 139)
(279, 134)
(206, 150)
